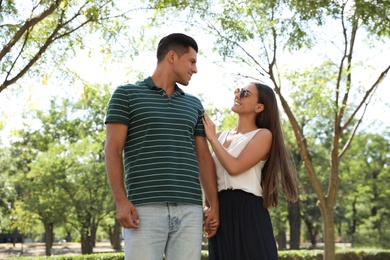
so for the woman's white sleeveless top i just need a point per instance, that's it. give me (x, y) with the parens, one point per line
(249, 180)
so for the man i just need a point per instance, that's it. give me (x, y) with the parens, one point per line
(159, 128)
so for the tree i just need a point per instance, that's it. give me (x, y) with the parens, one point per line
(254, 33)
(38, 33)
(365, 195)
(86, 186)
(7, 190)
(43, 196)
(87, 190)
(66, 171)
(39, 169)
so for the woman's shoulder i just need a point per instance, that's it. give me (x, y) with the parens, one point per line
(263, 133)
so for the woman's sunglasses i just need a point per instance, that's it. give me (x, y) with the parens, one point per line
(244, 93)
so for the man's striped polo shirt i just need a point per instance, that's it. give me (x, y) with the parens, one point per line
(159, 155)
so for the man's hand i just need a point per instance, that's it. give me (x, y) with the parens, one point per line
(211, 221)
(127, 214)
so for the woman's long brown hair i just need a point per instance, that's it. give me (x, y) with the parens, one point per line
(278, 164)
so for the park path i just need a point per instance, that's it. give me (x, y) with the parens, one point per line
(7, 250)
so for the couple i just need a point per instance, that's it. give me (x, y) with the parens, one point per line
(155, 134)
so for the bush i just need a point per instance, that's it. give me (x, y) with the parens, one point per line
(345, 254)
(363, 254)
(301, 254)
(100, 256)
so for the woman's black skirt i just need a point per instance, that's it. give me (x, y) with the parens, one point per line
(245, 230)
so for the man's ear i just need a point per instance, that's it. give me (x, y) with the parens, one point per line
(171, 55)
(259, 108)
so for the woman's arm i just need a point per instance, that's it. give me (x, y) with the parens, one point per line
(256, 150)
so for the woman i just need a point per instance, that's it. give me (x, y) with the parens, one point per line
(250, 160)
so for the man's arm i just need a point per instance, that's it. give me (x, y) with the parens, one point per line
(115, 141)
(208, 180)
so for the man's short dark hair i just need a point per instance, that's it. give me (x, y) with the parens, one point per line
(178, 42)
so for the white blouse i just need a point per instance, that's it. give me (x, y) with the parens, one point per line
(249, 180)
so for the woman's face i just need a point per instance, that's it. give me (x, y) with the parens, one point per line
(245, 99)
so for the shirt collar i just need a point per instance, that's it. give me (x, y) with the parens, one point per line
(149, 82)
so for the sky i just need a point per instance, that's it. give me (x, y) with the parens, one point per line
(215, 81)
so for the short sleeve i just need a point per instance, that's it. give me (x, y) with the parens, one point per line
(199, 128)
(118, 107)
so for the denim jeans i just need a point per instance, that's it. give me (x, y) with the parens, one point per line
(170, 229)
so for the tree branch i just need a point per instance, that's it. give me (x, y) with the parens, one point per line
(34, 59)
(51, 39)
(17, 57)
(334, 179)
(298, 132)
(349, 74)
(367, 95)
(28, 24)
(340, 72)
(352, 135)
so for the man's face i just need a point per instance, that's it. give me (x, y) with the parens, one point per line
(185, 67)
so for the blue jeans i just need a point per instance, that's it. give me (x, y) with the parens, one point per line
(170, 229)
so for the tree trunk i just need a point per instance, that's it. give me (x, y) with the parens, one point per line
(294, 219)
(68, 237)
(375, 194)
(329, 238)
(48, 237)
(281, 240)
(93, 234)
(116, 236)
(354, 222)
(312, 232)
(86, 243)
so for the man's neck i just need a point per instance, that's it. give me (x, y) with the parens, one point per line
(162, 80)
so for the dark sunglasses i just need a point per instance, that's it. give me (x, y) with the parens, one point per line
(244, 93)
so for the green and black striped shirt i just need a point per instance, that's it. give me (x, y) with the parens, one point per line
(159, 155)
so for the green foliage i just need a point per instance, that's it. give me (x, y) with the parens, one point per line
(374, 16)
(229, 121)
(38, 36)
(363, 254)
(312, 102)
(63, 156)
(7, 191)
(366, 254)
(223, 118)
(312, 91)
(248, 32)
(23, 220)
(301, 255)
(343, 254)
(166, 7)
(279, 216)
(100, 256)
(64, 170)
(324, 104)
(365, 194)
(162, 4)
